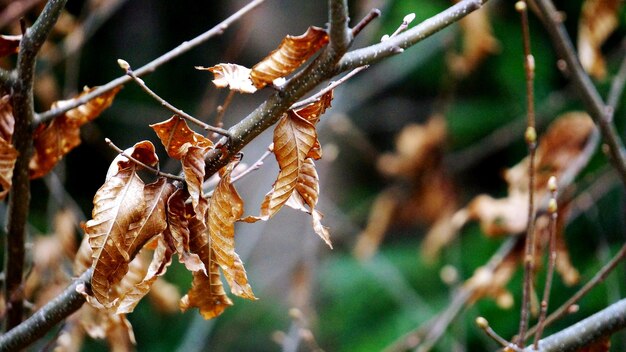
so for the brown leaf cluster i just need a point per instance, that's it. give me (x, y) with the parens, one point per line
(599, 18)
(8, 153)
(421, 193)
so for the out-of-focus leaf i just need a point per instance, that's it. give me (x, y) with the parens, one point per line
(7, 121)
(603, 344)
(225, 208)
(478, 42)
(597, 21)
(292, 52)
(559, 153)
(164, 296)
(177, 137)
(106, 325)
(54, 140)
(207, 292)
(233, 76)
(9, 44)
(8, 156)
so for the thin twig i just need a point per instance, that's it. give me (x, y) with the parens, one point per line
(531, 141)
(257, 164)
(617, 87)
(221, 110)
(166, 104)
(152, 65)
(483, 324)
(553, 213)
(597, 278)
(374, 13)
(604, 323)
(334, 84)
(144, 165)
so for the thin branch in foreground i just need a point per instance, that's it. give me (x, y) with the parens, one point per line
(152, 65)
(138, 162)
(36, 326)
(483, 324)
(531, 142)
(553, 213)
(581, 334)
(374, 13)
(129, 71)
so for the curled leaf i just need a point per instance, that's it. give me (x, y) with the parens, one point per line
(8, 157)
(235, 77)
(56, 139)
(225, 208)
(7, 121)
(599, 18)
(292, 52)
(177, 137)
(178, 231)
(143, 151)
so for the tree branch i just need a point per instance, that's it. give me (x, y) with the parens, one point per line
(601, 115)
(152, 65)
(603, 323)
(19, 199)
(340, 34)
(47, 317)
(327, 65)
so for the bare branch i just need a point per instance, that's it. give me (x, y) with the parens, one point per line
(47, 317)
(152, 65)
(378, 52)
(19, 201)
(599, 112)
(603, 323)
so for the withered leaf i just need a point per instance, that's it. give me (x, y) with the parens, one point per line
(225, 208)
(294, 139)
(599, 18)
(8, 156)
(143, 151)
(177, 137)
(207, 292)
(559, 153)
(54, 140)
(118, 204)
(478, 42)
(233, 76)
(306, 194)
(9, 44)
(292, 52)
(178, 230)
(161, 259)
(193, 168)
(7, 121)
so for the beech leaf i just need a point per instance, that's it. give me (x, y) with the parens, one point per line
(599, 18)
(7, 121)
(292, 52)
(478, 42)
(54, 140)
(143, 151)
(177, 137)
(207, 292)
(193, 168)
(8, 156)
(233, 76)
(225, 208)
(178, 231)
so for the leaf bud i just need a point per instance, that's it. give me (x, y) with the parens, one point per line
(530, 135)
(520, 6)
(552, 206)
(123, 64)
(552, 185)
(482, 323)
(409, 18)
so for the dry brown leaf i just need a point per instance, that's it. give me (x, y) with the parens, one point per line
(380, 218)
(9, 44)
(164, 296)
(177, 137)
(178, 231)
(7, 121)
(306, 194)
(294, 139)
(193, 169)
(106, 325)
(478, 42)
(161, 259)
(118, 204)
(599, 18)
(8, 157)
(235, 77)
(292, 52)
(225, 208)
(312, 112)
(54, 140)
(143, 151)
(207, 292)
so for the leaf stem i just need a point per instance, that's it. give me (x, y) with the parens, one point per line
(138, 162)
(169, 106)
